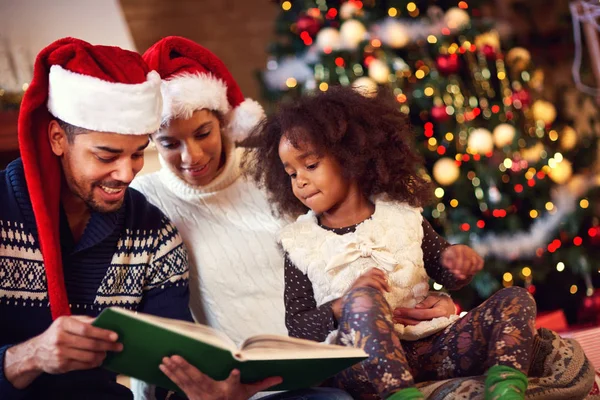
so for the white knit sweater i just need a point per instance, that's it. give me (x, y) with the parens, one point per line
(236, 267)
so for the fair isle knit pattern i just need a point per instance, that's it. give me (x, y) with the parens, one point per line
(236, 267)
(129, 276)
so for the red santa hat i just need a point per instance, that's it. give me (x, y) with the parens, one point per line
(195, 79)
(98, 88)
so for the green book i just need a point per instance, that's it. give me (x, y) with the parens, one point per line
(147, 339)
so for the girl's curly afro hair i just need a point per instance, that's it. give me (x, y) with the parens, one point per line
(368, 136)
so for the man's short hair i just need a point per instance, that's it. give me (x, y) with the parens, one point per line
(71, 130)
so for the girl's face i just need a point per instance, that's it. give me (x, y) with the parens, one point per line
(317, 181)
(192, 147)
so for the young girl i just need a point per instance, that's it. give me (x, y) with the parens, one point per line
(345, 161)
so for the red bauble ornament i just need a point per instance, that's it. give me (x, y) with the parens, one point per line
(308, 24)
(447, 64)
(489, 52)
(439, 114)
(523, 96)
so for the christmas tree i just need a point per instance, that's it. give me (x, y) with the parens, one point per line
(512, 178)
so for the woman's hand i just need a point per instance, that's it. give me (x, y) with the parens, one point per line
(434, 306)
(198, 386)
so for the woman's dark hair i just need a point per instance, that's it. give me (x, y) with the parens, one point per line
(368, 136)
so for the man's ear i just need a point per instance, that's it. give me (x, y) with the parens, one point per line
(57, 137)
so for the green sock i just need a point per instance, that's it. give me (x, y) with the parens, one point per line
(407, 394)
(505, 383)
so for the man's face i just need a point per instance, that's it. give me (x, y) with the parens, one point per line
(99, 166)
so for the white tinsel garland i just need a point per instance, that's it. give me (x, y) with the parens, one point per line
(524, 244)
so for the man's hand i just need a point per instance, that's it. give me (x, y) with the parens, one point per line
(69, 344)
(462, 261)
(198, 386)
(433, 306)
(373, 278)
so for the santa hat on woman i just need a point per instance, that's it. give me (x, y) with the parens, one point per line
(99, 88)
(196, 79)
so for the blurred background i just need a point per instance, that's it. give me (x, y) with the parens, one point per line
(501, 95)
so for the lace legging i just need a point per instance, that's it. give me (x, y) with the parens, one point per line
(500, 331)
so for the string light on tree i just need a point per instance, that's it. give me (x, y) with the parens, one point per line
(349, 10)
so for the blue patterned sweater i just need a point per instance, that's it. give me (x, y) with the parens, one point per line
(131, 258)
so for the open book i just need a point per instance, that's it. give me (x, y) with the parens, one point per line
(147, 339)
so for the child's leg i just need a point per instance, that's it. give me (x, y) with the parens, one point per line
(498, 332)
(366, 322)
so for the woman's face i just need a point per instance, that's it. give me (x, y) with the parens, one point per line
(192, 147)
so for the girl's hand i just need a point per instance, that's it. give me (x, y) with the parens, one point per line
(462, 261)
(373, 278)
(434, 306)
(198, 386)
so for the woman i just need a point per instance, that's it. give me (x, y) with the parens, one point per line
(236, 268)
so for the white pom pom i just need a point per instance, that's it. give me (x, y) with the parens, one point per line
(243, 118)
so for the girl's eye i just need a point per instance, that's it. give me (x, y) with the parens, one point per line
(137, 156)
(293, 176)
(312, 166)
(202, 135)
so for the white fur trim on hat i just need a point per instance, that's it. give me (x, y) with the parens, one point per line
(187, 93)
(95, 104)
(243, 119)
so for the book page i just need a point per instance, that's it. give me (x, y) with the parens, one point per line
(192, 330)
(272, 347)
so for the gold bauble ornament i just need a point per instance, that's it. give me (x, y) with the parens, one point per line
(379, 71)
(480, 141)
(562, 172)
(518, 58)
(365, 86)
(456, 18)
(445, 171)
(543, 111)
(395, 34)
(568, 138)
(504, 135)
(328, 38)
(352, 32)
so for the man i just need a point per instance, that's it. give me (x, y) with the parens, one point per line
(73, 238)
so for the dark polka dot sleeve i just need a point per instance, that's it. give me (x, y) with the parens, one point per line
(303, 318)
(433, 246)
